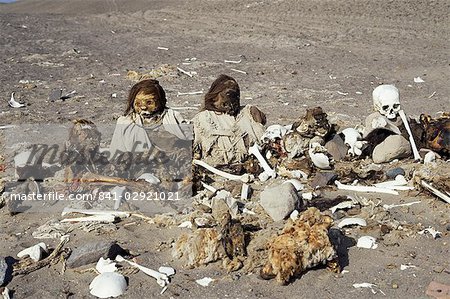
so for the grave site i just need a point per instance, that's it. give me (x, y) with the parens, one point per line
(212, 149)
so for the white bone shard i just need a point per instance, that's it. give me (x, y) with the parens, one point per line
(367, 242)
(34, 252)
(13, 103)
(104, 266)
(205, 281)
(150, 178)
(352, 221)
(388, 207)
(169, 271)
(106, 218)
(318, 156)
(435, 191)
(118, 214)
(432, 231)
(273, 132)
(352, 138)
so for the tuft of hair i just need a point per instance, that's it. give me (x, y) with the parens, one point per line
(223, 96)
(148, 86)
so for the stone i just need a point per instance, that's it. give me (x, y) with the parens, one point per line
(393, 147)
(394, 172)
(323, 178)
(337, 148)
(92, 252)
(279, 201)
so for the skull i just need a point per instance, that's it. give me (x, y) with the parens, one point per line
(386, 100)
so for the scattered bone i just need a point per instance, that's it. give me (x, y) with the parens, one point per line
(404, 267)
(430, 157)
(104, 266)
(190, 74)
(118, 214)
(5, 293)
(294, 215)
(318, 156)
(365, 188)
(432, 231)
(94, 218)
(388, 207)
(343, 205)
(179, 94)
(245, 191)
(238, 71)
(398, 184)
(108, 284)
(273, 132)
(435, 191)
(418, 80)
(353, 140)
(367, 242)
(163, 48)
(352, 221)
(205, 281)
(245, 178)
(185, 224)
(432, 95)
(209, 188)
(161, 279)
(34, 252)
(411, 137)
(169, 271)
(296, 183)
(254, 150)
(233, 61)
(13, 103)
(386, 100)
(247, 211)
(150, 178)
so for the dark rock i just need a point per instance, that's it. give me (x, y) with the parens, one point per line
(392, 173)
(337, 148)
(92, 252)
(323, 178)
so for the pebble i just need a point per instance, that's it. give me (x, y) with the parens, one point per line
(323, 178)
(394, 172)
(337, 148)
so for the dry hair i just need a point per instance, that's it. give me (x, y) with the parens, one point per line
(222, 83)
(149, 86)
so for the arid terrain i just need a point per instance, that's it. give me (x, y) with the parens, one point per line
(293, 54)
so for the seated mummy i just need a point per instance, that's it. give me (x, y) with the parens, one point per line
(223, 129)
(149, 127)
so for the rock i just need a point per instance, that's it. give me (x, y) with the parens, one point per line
(3, 270)
(337, 148)
(393, 147)
(92, 252)
(394, 172)
(323, 178)
(279, 201)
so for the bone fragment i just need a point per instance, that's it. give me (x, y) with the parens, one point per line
(190, 74)
(253, 150)
(245, 178)
(238, 71)
(233, 61)
(435, 191)
(189, 93)
(411, 138)
(161, 279)
(365, 188)
(387, 207)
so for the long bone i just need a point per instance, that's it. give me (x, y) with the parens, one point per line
(254, 150)
(161, 279)
(411, 138)
(245, 178)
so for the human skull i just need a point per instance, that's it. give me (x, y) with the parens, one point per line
(386, 100)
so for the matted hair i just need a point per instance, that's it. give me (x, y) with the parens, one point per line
(220, 84)
(148, 86)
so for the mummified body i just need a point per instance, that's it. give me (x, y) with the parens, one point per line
(224, 242)
(223, 129)
(303, 244)
(437, 133)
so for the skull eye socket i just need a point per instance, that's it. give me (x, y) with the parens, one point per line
(385, 107)
(396, 106)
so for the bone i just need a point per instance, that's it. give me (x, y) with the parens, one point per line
(190, 74)
(163, 48)
(95, 212)
(34, 252)
(238, 71)
(233, 61)
(209, 187)
(179, 94)
(245, 178)
(388, 207)
(435, 191)
(411, 138)
(253, 150)
(161, 279)
(398, 184)
(107, 218)
(245, 191)
(365, 189)
(13, 103)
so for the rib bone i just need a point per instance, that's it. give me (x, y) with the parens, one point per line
(161, 279)
(411, 138)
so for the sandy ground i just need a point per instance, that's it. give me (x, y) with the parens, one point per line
(296, 54)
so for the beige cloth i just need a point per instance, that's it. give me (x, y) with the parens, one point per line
(131, 134)
(224, 139)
